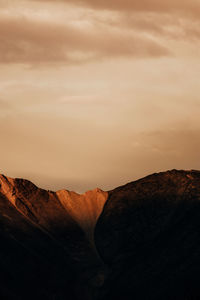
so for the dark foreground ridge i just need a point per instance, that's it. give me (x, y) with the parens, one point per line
(138, 241)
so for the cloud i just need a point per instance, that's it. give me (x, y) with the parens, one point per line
(30, 41)
(161, 27)
(172, 18)
(182, 6)
(133, 29)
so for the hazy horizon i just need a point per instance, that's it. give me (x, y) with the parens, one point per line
(98, 93)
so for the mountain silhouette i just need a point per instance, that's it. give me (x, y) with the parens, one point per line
(138, 241)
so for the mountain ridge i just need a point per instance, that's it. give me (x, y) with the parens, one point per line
(102, 245)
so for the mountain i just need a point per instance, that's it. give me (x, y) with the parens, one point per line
(149, 236)
(47, 243)
(138, 241)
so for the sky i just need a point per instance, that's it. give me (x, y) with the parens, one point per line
(98, 92)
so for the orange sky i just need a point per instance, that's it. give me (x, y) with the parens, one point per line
(98, 92)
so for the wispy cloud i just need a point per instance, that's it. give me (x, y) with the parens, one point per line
(30, 41)
(171, 6)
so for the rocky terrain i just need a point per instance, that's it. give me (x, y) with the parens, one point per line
(138, 241)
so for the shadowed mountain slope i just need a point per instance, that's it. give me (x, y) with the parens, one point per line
(149, 235)
(33, 265)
